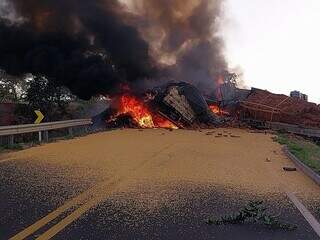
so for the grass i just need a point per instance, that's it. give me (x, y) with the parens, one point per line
(254, 212)
(15, 147)
(18, 147)
(307, 151)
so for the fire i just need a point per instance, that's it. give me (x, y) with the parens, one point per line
(161, 122)
(220, 80)
(217, 110)
(141, 114)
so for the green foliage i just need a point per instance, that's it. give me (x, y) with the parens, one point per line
(254, 212)
(44, 95)
(68, 137)
(308, 152)
(32, 92)
(7, 92)
(11, 147)
(13, 88)
(8, 88)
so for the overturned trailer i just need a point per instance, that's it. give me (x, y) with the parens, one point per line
(172, 105)
(184, 105)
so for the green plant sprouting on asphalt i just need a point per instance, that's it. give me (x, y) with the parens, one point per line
(254, 212)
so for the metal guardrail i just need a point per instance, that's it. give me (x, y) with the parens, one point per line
(43, 127)
(291, 128)
(30, 128)
(309, 132)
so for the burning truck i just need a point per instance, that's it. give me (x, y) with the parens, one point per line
(173, 105)
(96, 47)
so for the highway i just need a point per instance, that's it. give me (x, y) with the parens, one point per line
(153, 184)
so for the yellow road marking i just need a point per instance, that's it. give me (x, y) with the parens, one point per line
(75, 215)
(71, 203)
(94, 195)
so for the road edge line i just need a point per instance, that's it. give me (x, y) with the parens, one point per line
(305, 213)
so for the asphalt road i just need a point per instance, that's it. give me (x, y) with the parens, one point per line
(151, 184)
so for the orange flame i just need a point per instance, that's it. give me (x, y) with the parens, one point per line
(217, 110)
(141, 114)
(138, 111)
(161, 122)
(220, 80)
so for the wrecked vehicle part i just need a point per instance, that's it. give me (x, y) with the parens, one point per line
(183, 103)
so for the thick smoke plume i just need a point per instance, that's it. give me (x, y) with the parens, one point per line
(98, 46)
(183, 34)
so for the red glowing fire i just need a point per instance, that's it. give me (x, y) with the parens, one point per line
(161, 122)
(137, 109)
(217, 110)
(140, 113)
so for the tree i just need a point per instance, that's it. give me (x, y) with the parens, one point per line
(8, 91)
(13, 88)
(51, 99)
(31, 93)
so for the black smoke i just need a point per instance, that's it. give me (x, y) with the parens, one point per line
(83, 45)
(186, 35)
(96, 46)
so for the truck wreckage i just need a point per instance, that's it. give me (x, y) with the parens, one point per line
(174, 105)
(182, 105)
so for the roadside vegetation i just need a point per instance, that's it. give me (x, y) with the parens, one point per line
(14, 147)
(307, 151)
(35, 92)
(254, 212)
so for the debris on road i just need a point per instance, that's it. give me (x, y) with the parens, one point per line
(210, 133)
(268, 160)
(290, 169)
(234, 136)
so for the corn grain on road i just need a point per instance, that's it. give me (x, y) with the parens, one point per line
(152, 184)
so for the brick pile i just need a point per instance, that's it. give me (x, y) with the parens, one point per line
(267, 106)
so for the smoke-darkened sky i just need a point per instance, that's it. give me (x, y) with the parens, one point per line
(83, 45)
(98, 46)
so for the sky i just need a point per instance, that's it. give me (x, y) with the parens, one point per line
(276, 44)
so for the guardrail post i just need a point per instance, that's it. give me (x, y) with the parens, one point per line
(70, 129)
(46, 136)
(11, 140)
(40, 137)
